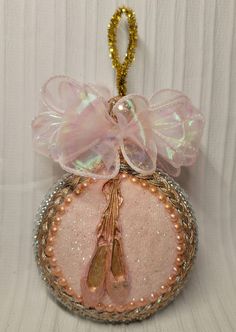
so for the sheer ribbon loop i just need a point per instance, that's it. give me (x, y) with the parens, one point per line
(83, 129)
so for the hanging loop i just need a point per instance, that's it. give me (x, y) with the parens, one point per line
(122, 68)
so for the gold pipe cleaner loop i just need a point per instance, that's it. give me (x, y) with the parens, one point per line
(122, 68)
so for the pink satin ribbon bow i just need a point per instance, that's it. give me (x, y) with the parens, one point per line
(74, 128)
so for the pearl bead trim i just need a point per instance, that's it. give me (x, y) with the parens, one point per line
(135, 303)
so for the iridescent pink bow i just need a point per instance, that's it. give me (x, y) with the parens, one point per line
(75, 128)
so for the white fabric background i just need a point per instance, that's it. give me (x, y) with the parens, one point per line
(184, 44)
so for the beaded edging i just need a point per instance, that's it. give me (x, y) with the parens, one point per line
(175, 195)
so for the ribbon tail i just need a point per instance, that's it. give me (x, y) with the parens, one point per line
(137, 146)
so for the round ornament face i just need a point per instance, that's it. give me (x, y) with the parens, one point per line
(115, 250)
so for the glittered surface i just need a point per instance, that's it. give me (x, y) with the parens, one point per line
(149, 238)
